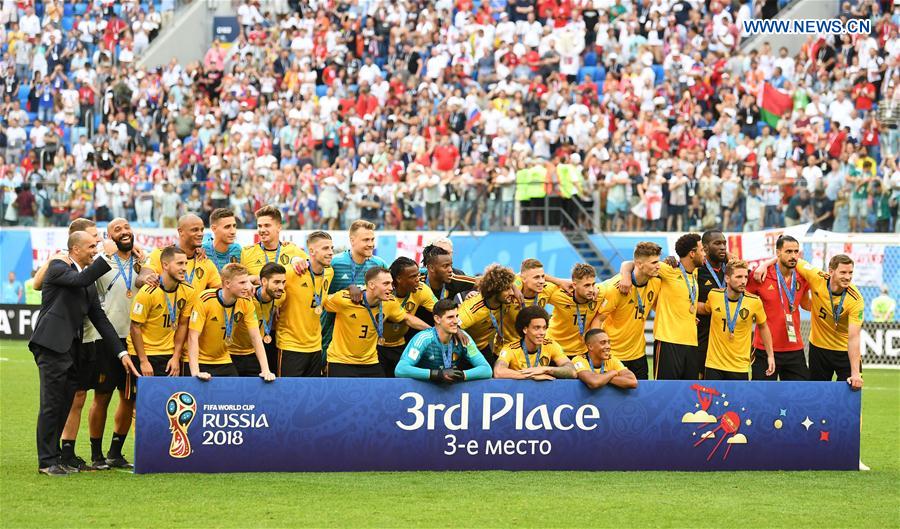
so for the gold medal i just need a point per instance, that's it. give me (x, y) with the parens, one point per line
(229, 341)
(267, 339)
(318, 309)
(731, 336)
(693, 309)
(381, 341)
(128, 294)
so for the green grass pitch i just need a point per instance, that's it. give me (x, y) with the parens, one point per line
(443, 499)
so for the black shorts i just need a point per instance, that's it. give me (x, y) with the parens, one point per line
(824, 364)
(673, 361)
(712, 373)
(219, 370)
(246, 365)
(157, 363)
(110, 375)
(639, 367)
(789, 365)
(295, 364)
(86, 365)
(388, 356)
(354, 371)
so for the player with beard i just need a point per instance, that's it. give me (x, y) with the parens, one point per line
(709, 276)
(576, 312)
(782, 291)
(221, 248)
(675, 326)
(267, 299)
(201, 273)
(117, 288)
(481, 316)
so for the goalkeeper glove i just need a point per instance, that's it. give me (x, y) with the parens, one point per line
(447, 376)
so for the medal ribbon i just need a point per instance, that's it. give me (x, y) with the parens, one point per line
(229, 318)
(379, 323)
(537, 355)
(267, 323)
(836, 313)
(692, 289)
(784, 291)
(732, 323)
(127, 278)
(172, 306)
(637, 294)
(591, 363)
(448, 352)
(712, 272)
(494, 323)
(317, 298)
(266, 253)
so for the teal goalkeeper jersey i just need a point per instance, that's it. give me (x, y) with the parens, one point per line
(426, 352)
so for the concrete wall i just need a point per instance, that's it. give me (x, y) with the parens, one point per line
(797, 10)
(190, 34)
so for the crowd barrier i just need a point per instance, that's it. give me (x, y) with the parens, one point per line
(246, 425)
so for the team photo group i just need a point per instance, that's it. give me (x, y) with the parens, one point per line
(206, 307)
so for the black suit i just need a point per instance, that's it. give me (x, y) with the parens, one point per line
(67, 297)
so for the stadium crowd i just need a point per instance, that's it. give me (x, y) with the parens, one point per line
(427, 113)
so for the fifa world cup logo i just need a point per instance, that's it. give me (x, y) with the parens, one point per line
(181, 409)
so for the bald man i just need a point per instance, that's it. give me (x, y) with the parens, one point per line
(69, 295)
(201, 273)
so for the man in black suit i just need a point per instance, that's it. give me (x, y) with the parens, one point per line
(68, 296)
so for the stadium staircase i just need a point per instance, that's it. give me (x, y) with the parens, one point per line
(189, 34)
(589, 253)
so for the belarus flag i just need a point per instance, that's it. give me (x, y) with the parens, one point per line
(774, 105)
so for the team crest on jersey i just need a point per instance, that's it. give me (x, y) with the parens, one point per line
(238, 316)
(199, 272)
(284, 259)
(180, 304)
(542, 303)
(409, 306)
(592, 305)
(744, 314)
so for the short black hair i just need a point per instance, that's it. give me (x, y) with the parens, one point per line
(270, 269)
(400, 264)
(443, 306)
(685, 244)
(779, 243)
(430, 252)
(591, 333)
(528, 314)
(708, 236)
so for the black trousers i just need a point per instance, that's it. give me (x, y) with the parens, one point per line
(59, 381)
(639, 367)
(825, 364)
(388, 357)
(674, 361)
(789, 365)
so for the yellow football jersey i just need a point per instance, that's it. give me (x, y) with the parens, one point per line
(209, 318)
(481, 322)
(625, 321)
(151, 307)
(675, 323)
(254, 256)
(422, 296)
(824, 333)
(264, 312)
(569, 317)
(511, 311)
(513, 354)
(299, 328)
(355, 337)
(201, 274)
(725, 353)
(583, 364)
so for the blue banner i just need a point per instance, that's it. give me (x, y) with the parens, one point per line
(245, 425)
